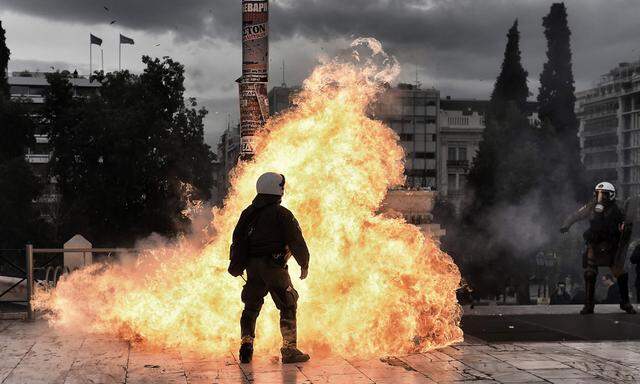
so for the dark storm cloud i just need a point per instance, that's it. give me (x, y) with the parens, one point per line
(463, 37)
(455, 45)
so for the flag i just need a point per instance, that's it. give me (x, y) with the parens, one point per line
(95, 40)
(125, 40)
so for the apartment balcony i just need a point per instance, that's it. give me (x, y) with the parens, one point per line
(37, 158)
(601, 166)
(600, 148)
(458, 163)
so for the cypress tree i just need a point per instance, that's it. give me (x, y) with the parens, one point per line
(510, 92)
(556, 102)
(511, 84)
(4, 63)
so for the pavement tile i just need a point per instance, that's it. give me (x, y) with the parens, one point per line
(538, 364)
(448, 371)
(569, 373)
(579, 381)
(478, 358)
(515, 376)
(491, 367)
(289, 377)
(340, 379)
(438, 356)
(516, 356)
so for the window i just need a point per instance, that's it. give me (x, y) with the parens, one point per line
(457, 153)
(462, 153)
(425, 155)
(453, 153)
(451, 182)
(36, 91)
(406, 137)
(19, 90)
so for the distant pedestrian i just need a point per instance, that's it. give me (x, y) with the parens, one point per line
(613, 291)
(560, 295)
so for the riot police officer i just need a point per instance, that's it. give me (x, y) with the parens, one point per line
(273, 235)
(603, 238)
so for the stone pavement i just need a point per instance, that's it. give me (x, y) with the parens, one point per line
(34, 353)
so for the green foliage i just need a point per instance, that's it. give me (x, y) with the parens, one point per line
(502, 170)
(556, 102)
(504, 173)
(5, 53)
(16, 130)
(20, 222)
(125, 157)
(511, 84)
(19, 187)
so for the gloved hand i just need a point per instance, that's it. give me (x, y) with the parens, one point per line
(303, 273)
(564, 230)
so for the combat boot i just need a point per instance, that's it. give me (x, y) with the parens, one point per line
(590, 290)
(623, 286)
(246, 350)
(293, 355)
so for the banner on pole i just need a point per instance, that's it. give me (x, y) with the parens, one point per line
(254, 111)
(255, 41)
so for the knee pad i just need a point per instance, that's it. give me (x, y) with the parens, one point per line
(250, 313)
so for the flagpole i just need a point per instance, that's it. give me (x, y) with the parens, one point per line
(102, 58)
(90, 59)
(119, 55)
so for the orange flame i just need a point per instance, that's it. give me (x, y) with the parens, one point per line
(376, 285)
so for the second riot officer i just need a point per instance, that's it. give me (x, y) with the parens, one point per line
(603, 238)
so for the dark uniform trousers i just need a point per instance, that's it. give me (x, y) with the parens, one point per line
(265, 276)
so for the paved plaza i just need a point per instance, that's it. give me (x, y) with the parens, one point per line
(35, 353)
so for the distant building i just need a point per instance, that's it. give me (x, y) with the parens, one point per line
(461, 126)
(440, 136)
(413, 114)
(280, 98)
(462, 122)
(228, 155)
(30, 88)
(609, 131)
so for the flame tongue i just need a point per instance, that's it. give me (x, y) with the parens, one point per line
(375, 286)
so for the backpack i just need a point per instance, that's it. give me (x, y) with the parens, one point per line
(239, 251)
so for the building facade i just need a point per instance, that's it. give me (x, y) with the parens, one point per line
(413, 114)
(461, 125)
(609, 132)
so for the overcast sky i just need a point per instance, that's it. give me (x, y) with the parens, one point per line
(454, 45)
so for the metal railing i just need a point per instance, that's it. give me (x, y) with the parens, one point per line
(46, 270)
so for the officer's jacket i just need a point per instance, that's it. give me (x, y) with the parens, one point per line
(274, 230)
(604, 226)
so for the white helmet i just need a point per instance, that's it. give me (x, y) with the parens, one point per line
(270, 183)
(607, 188)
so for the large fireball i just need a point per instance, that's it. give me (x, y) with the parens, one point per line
(376, 285)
